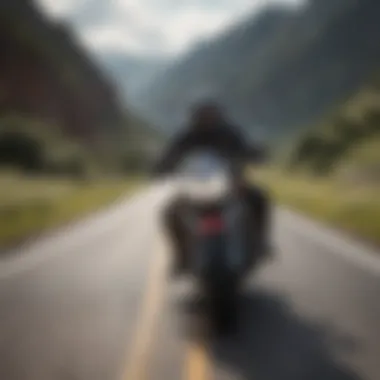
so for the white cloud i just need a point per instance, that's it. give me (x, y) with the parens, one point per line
(58, 7)
(150, 26)
(112, 38)
(192, 25)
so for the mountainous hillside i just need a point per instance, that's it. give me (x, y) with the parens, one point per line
(278, 71)
(56, 100)
(44, 74)
(130, 72)
(347, 142)
(332, 171)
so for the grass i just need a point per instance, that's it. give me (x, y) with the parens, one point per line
(31, 206)
(354, 208)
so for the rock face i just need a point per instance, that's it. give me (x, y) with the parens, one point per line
(45, 74)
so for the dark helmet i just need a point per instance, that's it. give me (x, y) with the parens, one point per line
(206, 111)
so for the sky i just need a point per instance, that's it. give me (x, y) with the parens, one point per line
(151, 27)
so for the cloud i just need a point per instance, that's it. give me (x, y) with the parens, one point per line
(150, 26)
(58, 7)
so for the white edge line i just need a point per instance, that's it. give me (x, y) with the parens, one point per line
(337, 243)
(25, 257)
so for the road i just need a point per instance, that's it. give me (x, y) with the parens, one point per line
(92, 301)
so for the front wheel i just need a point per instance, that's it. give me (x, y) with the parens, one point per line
(224, 310)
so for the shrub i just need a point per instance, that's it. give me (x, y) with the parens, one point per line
(135, 163)
(21, 151)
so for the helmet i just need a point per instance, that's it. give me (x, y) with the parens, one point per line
(206, 109)
(205, 105)
(203, 99)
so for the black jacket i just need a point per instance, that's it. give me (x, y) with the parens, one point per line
(225, 139)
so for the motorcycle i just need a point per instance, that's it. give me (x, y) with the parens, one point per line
(214, 215)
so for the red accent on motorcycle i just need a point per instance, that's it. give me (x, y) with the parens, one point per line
(211, 224)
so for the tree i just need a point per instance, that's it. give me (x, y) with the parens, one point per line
(372, 121)
(22, 151)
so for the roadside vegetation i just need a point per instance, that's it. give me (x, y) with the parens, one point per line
(355, 209)
(333, 172)
(29, 206)
(48, 179)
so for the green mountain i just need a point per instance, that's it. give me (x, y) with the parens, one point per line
(46, 75)
(53, 91)
(277, 71)
(347, 142)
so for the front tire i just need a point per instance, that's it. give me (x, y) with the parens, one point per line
(224, 310)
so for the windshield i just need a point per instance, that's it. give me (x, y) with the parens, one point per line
(204, 165)
(204, 174)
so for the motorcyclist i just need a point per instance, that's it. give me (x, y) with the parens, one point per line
(210, 128)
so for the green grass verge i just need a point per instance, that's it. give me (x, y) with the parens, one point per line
(340, 204)
(31, 206)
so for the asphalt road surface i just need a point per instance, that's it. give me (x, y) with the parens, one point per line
(93, 302)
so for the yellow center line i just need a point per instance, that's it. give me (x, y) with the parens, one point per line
(197, 365)
(139, 355)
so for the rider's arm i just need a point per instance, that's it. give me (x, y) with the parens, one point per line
(242, 147)
(174, 153)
